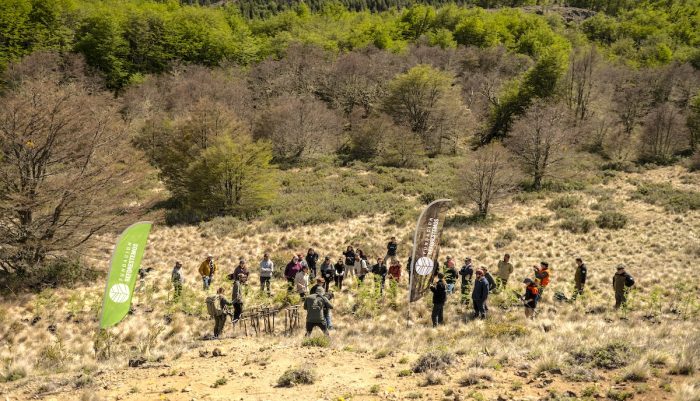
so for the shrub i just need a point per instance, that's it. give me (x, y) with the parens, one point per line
(433, 378)
(405, 372)
(293, 377)
(694, 162)
(505, 238)
(219, 382)
(563, 202)
(638, 372)
(577, 225)
(475, 376)
(614, 355)
(433, 360)
(665, 195)
(504, 329)
(533, 223)
(580, 374)
(12, 373)
(611, 220)
(317, 341)
(619, 395)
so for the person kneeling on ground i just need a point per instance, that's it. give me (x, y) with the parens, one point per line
(439, 297)
(314, 306)
(530, 297)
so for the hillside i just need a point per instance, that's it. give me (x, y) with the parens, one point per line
(51, 347)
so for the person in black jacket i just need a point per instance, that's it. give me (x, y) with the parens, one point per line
(490, 279)
(327, 271)
(350, 257)
(580, 277)
(450, 274)
(311, 260)
(339, 273)
(480, 295)
(530, 297)
(220, 320)
(466, 273)
(380, 270)
(439, 290)
(391, 248)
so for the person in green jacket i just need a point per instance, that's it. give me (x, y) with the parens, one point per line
(314, 306)
(505, 269)
(621, 282)
(237, 297)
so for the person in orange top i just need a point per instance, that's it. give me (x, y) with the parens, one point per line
(530, 298)
(395, 270)
(542, 276)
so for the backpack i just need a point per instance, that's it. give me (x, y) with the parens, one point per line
(317, 304)
(629, 281)
(214, 306)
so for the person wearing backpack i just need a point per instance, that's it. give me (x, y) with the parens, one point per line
(530, 298)
(361, 269)
(237, 297)
(328, 295)
(622, 282)
(314, 305)
(339, 268)
(207, 270)
(216, 306)
(542, 276)
(439, 290)
(176, 279)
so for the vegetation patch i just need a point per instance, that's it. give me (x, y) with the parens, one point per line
(316, 341)
(614, 355)
(533, 223)
(563, 202)
(611, 220)
(504, 329)
(433, 360)
(475, 376)
(665, 195)
(577, 225)
(293, 377)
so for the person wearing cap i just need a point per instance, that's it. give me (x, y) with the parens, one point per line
(327, 272)
(490, 279)
(237, 297)
(542, 276)
(301, 281)
(505, 269)
(311, 259)
(580, 277)
(176, 279)
(207, 270)
(530, 297)
(439, 290)
(451, 274)
(314, 305)
(466, 273)
(267, 267)
(241, 269)
(621, 282)
(480, 294)
(290, 272)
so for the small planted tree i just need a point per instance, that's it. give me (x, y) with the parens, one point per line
(486, 177)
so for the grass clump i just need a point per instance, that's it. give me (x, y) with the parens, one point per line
(533, 223)
(433, 378)
(576, 225)
(316, 341)
(433, 360)
(219, 382)
(405, 372)
(580, 374)
(638, 372)
(475, 376)
(619, 395)
(504, 238)
(13, 373)
(611, 220)
(504, 329)
(665, 195)
(293, 377)
(614, 355)
(563, 202)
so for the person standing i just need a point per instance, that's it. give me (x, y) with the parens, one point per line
(327, 271)
(439, 291)
(176, 279)
(328, 295)
(350, 257)
(542, 276)
(207, 270)
(466, 273)
(311, 261)
(622, 282)
(339, 267)
(395, 270)
(505, 269)
(290, 272)
(530, 298)
(241, 269)
(391, 247)
(237, 297)
(220, 316)
(580, 277)
(451, 275)
(267, 268)
(480, 294)
(380, 271)
(490, 279)
(301, 281)
(360, 267)
(314, 305)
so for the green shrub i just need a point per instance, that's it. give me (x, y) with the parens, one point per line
(405, 372)
(219, 382)
(292, 377)
(533, 223)
(614, 355)
(665, 195)
(611, 220)
(494, 329)
(563, 202)
(13, 373)
(577, 225)
(433, 360)
(317, 341)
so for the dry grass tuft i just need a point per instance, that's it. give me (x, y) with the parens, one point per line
(475, 376)
(433, 360)
(293, 377)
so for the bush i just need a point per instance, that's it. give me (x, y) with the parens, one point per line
(611, 220)
(475, 376)
(317, 341)
(433, 360)
(533, 223)
(611, 356)
(433, 378)
(694, 162)
(504, 329)
(665, 195)
(577, 225)
(639, 372)
(293, 377)
(505, 238)
(563, 202)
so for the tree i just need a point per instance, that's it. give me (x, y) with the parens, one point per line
(487, 177)
(67, 170)
(579, 82)
(234, 176)
(663, 134)
(539, 140)
(693, 122)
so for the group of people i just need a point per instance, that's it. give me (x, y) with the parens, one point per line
(476, 283)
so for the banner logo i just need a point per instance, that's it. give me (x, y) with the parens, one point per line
(424, 266)
(119, 293)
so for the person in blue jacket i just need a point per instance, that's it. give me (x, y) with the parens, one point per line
(480, 294)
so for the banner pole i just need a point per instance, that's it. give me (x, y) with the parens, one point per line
(412, 264)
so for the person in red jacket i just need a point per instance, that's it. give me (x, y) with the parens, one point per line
(530, 297)
(542, 276)
(395, 270)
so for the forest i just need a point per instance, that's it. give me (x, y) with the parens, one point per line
(246, 114)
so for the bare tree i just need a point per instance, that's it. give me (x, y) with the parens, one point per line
(664, 134)
(579, 82)
(487, 177)
(67, 167)
(539, 140)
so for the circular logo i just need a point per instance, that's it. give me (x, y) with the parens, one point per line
(424, 266)
(119, 293)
